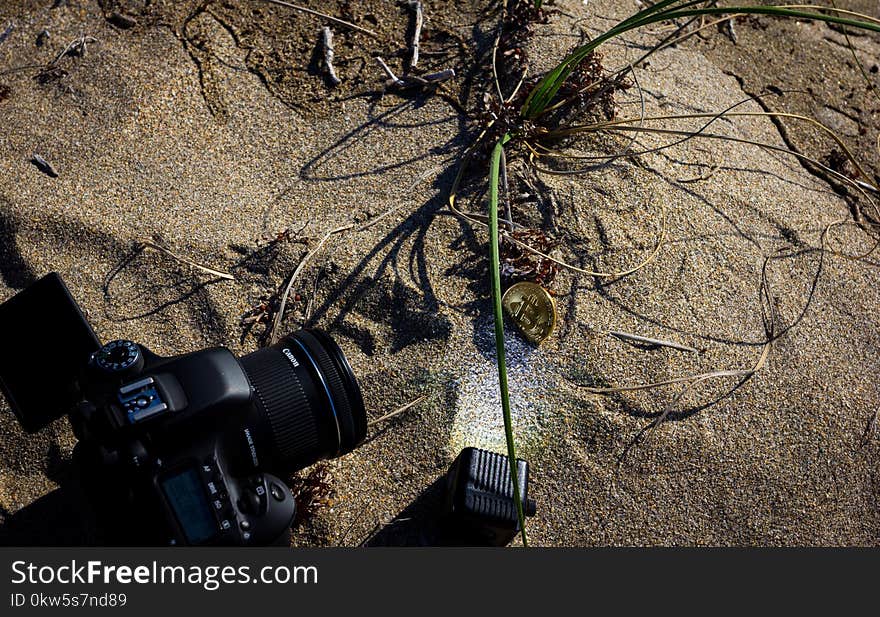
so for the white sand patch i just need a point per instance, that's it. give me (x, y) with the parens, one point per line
(532, 379)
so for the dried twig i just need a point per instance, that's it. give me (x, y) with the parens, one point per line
(76, 47)
(433, 78)
(410, 81)
(392, 78)
(308, 256)
(773, 333)
(327, 38)
(416, 7)
(142, 244)
(396, 412)
(726, 27)
(393, 209)
(651, 341)
(335, 20)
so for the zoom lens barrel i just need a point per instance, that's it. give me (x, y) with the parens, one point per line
(307, 402)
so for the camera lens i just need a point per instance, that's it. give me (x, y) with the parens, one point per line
(307, 402)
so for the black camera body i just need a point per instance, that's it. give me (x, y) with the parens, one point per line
(180, 450)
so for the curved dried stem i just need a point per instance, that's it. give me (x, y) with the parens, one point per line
(612, 157)
(802, 157)
(769, 317)
(726, 114)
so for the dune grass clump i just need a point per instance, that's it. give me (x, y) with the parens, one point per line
(540, 114)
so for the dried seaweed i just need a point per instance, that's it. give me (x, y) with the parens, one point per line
(519, 264)
(312, 491)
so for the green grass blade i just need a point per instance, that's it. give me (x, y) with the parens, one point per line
(495, 276)
(542, 94)
(773, 11)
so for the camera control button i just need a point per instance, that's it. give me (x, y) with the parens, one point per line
(277, 492)
(251, 502)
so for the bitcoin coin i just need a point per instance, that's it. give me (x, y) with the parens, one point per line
(532, 309)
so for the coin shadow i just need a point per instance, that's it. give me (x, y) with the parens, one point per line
(483, 334)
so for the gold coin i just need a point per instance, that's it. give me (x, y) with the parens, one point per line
(532, 308)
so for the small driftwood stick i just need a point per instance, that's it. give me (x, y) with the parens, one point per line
(439, 76)
(727, 28)
(327, 37)
(651, 341)
(416, 7)
(392, 78)
(43, 165)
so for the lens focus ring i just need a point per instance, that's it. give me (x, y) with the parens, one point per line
(280, 397)
(349, 435)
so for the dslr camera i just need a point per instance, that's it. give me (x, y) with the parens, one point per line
(183, 450)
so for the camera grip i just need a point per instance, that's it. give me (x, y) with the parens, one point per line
(267, 508)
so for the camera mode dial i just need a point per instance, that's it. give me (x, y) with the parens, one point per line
(119, 358)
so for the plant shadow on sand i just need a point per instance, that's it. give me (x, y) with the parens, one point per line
(417, 314)
(402, 302)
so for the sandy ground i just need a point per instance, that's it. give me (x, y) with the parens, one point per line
(192, 137)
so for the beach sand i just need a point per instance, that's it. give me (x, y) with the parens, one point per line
(212, 132)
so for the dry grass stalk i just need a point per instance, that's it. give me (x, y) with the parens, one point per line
(651, 341)
(302, 264)
(335, 20)
(148, 244)
(397, 412)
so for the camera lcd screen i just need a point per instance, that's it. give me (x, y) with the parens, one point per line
(187, 497)
(46, 343)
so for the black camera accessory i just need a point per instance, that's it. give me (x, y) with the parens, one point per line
(178, 449)
(479, 496)
(46, 342)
